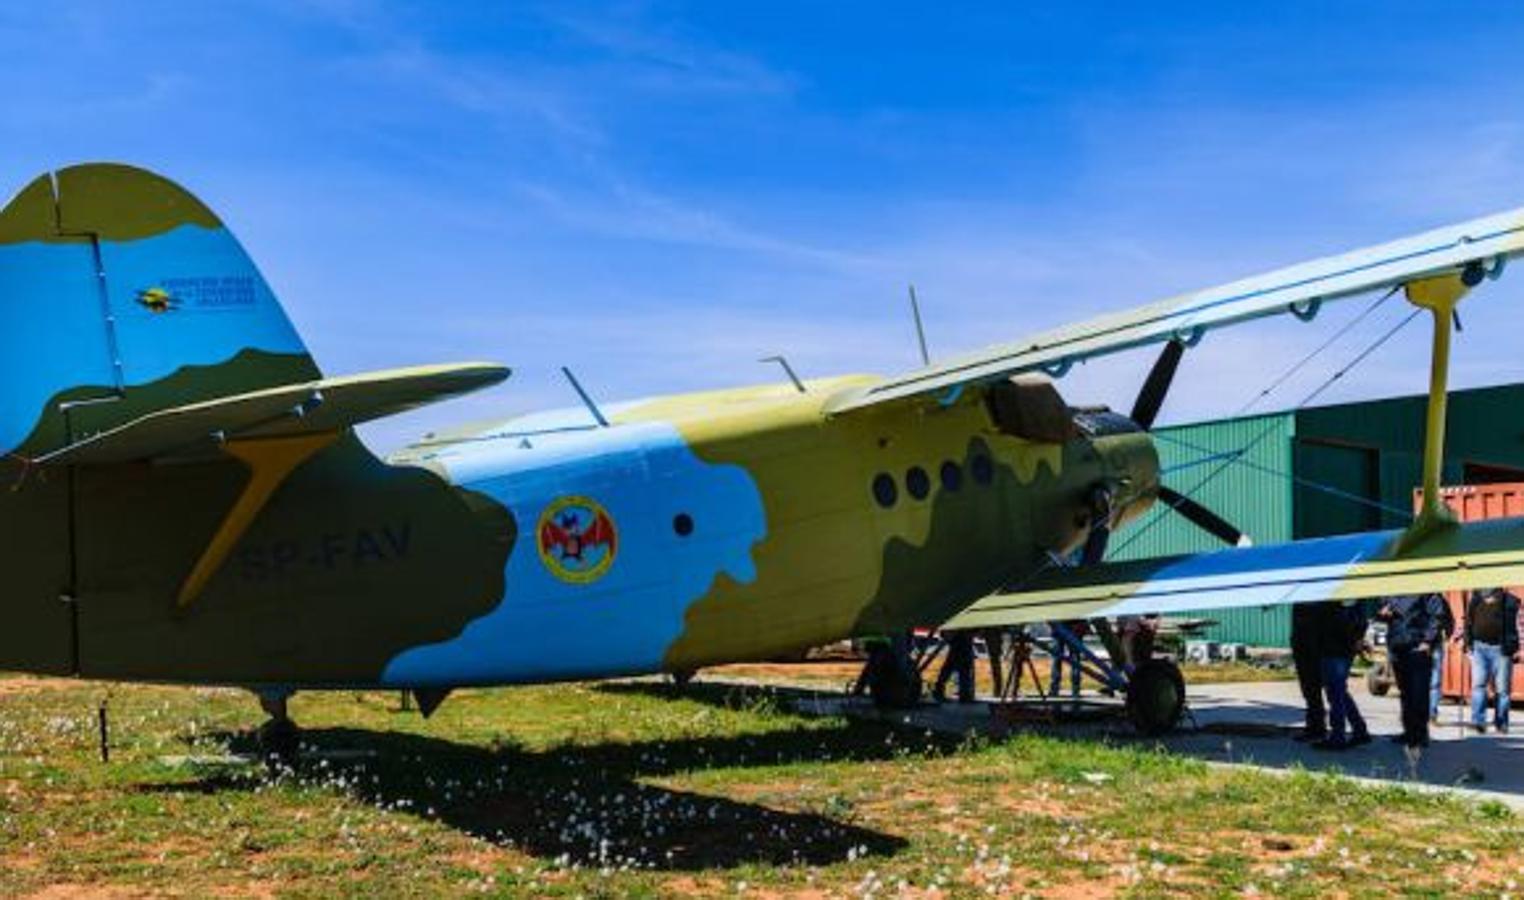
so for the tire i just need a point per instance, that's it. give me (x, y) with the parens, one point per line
(1378, 680)
(1156, 697)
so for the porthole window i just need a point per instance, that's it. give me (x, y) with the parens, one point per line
(981, 467)
(917, 482)
(952, 476)
(884, 490)
(682, 523)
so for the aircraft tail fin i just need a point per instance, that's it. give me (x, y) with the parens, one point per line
(121, 294)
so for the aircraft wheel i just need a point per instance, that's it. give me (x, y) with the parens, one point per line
(1156, 697)
(894, 682)
(1378, 680)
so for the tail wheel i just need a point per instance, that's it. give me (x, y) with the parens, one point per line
(279, 741)
(1156, 697)
(681, 678)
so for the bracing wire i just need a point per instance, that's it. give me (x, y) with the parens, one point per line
(1301, 363)
(1238, 457)
(1264, 433)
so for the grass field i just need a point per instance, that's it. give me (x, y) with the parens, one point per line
(628, 790)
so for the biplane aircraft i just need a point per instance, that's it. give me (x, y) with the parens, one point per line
(185, 499)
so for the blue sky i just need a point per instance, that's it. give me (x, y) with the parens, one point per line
(658, 194)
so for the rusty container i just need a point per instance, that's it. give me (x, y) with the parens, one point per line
(1473, 503)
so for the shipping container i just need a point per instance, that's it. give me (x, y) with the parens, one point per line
(1473, 503)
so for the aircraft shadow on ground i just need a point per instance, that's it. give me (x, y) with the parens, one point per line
(587, 803)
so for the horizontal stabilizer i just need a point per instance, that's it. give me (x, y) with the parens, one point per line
(312, 407)
(1347, 567)
(1484, 245)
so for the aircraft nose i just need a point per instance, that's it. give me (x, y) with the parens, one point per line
(1130, 463)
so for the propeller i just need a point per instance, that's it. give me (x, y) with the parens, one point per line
(1145, 410)
(1151, 398)
(1100, 526)
(1203, 518)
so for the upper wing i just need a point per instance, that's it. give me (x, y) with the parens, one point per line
(1489, 241)
(294, 409)
(1347, 567)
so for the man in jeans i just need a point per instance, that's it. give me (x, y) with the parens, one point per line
(1436, 679)
(1492, 639)
(1411, 632)
(1342, 635)
(1306, 640)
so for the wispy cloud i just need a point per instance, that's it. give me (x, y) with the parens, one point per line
(663, 60)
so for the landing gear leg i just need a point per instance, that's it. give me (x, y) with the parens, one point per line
(893, 679)
(278, 736)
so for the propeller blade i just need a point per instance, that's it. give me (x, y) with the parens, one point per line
(1203, 518)
(1095, 544)
(1100, 526)
(1151, 398)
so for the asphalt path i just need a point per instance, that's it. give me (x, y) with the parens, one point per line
(1243, 724)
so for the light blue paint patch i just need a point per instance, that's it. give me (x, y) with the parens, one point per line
(54, 328)
(1298, 572)
(546, 629)
(52, 331)
(221, 304)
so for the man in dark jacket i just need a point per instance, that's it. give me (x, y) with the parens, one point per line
(1492, 639)
(1341, 634)
(1307, 656)
(959, 663)
(1411, 631)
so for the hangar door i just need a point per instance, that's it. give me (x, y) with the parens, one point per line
(1337, 488)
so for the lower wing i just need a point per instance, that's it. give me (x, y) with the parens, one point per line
(1348, 567)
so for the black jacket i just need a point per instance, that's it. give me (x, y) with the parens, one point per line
(1341, 629)
(1413, 620)
(1510, 644)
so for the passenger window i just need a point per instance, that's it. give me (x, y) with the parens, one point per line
(917, 482)
(983, 470)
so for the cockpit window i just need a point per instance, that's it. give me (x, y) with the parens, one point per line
(1100, 422)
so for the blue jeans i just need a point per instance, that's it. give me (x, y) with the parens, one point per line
(1489, 664)
(1436, 678)
(1064, 653)
(1342, 711)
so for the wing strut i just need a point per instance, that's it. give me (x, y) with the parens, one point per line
(1440, 295)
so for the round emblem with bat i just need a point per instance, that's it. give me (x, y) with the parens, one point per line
(578, 539)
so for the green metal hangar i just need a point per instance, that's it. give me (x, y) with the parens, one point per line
(1319, 471)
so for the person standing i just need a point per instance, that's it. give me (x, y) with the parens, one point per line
(1492, 639)
(994, 649)
(1307, 657)
(1412, 629)
(1342, 634)
(959, 662)
(1064, 653)
(1447, 635)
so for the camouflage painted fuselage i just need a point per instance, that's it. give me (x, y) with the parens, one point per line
(693, 530)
